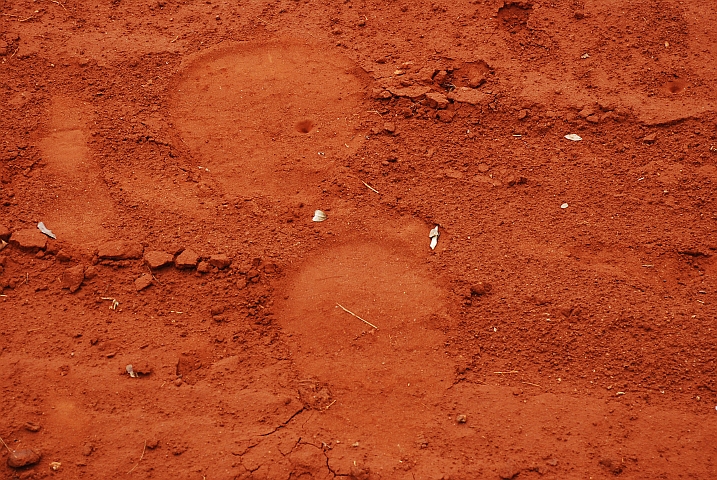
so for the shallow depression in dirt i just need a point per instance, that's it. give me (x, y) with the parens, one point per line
(382, 287)
(265, 118)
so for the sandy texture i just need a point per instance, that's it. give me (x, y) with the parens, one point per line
(563, 327)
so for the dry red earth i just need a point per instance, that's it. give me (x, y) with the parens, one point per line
(162, 140)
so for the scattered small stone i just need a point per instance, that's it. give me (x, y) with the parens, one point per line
(241, 283)
(481, 288)
(483, 167)
(461, 419)
(63, 256)
(87, 449)
(253, 275)
(513, 180)
(509, 471)
(55, 466)
(91, 272)
(436, 100)
(152, 443)
(73, 277)
(4, 233)
(650, 139)
(389, 127)
(440, 77)
(32, 427)
(221, 261)
(143, 282)
(23, 458)
(120, 250)
(552, 462)
(523, 114)
(445, 116)
(204, 267)
(29, 239)
(586, 112)
(186, 259)
(593, 119)
(178, 382)
(157, 259)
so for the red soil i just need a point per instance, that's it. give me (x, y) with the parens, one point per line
(534, 342)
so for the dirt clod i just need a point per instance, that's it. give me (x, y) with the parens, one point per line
(187, 259)
(157, 259)
(143, 282)
(73, 277)
(120, 250)
(32, 427)
(221, 261)
(23, 458)
(29, 239)
(481, 288)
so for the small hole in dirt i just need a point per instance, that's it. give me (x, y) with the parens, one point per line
(675, 86)
(305, 126)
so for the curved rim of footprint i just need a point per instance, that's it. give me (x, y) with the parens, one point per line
(268, 117)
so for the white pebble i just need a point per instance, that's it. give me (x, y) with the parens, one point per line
(564, 205)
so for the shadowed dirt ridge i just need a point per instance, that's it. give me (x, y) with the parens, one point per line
(563, 327)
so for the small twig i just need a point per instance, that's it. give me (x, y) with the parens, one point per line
(370, 187)
(376, 112)
(55, 1)
(152, 275)
(329, 405)
(115, 303)
(352, 313)
(533, 384)
(26, 19)
(175, 39)
(140, 458)
(503, 373)
(8, 448)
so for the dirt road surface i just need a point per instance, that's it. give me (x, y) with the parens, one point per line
(191, 321)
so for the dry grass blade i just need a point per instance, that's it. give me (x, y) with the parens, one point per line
(140, 458)
(352, 313)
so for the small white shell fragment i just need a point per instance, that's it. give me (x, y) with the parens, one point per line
(433, 235)
(3, 244)
(573, 137)
(46, 230)
(319, 216)
(564, 205)
(130, 370)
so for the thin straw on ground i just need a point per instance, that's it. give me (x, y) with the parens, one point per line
(352, 313)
